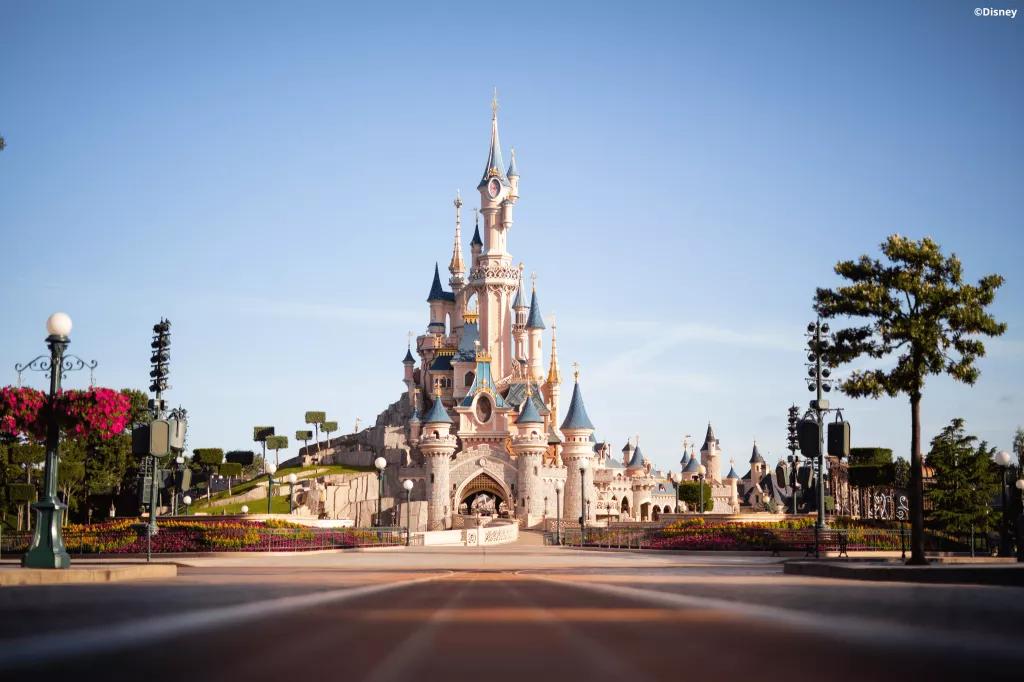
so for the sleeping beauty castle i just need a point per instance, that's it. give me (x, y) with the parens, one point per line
(478, 428)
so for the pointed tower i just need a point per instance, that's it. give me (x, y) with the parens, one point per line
(519, 311)
(437, 444)
(493, 277)
(758, 467)
(457, 267)
(529, 446)
(554, 383)
(437, 298)
(710, 456)
(513, 177)
(577, 453)
(476, 245)
(535, 332)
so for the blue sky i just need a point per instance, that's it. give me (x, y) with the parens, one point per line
(277, 180)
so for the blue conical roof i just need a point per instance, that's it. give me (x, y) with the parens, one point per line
(685, 460)
(732, 473)
(476, 241)
(512, 170)
(693, 466)
(436, 290)
(408, 356)
(577, 417)
(755, 456)
(535, 320)
(519, 301)
(637, 460)
(495, 166)
(530, 415)
(437, 414)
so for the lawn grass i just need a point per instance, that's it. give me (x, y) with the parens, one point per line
(301, 472)
(278, 505)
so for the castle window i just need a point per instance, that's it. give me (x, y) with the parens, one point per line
(535, 472)
(483, 409)
(470, 377)
(431, 478)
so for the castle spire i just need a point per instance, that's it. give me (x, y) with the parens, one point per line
(495, 165)
(519, 302)
(554, 374)
(457, 267)
(577, 418)
(476, 241)
(513, 172)
(535, 320)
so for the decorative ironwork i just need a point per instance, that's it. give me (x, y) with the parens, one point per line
(69, 363)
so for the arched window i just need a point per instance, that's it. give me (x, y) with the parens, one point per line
(468, 381)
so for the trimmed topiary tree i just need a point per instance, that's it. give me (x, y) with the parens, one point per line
(277, 443)
(209, 459)
(305, 437)
(316, 419)
(689, 492)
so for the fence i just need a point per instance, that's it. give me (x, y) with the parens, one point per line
(208, 537)
(746, 537)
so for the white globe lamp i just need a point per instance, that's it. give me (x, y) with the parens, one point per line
(58, 324)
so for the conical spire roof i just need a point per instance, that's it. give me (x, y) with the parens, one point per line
(732, 473)
(436, 290)
(554, 373)
(437, 414)
(709, 439)
(476, 241)
(520, 300)
(457, 266)
(637, 460)
(529, 414)
(495, 166)
(577, 417)
(693, 466)
(535, 320)
(513, 172)
(755, 455)
(408, 356)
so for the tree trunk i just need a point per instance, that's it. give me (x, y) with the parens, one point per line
(917, 557)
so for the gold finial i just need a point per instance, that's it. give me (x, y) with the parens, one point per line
(576, 371)
(521, 268)
(494, 104)
(437, 389)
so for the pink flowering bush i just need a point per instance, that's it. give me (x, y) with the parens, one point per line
(102, 412)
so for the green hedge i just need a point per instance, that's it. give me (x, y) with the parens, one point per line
(261, 433)
(21, 492)
(314, 417)
(209, 457)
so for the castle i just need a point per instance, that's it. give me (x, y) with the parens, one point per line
(482, 430)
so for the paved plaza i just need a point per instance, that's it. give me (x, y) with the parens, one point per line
(512, 613)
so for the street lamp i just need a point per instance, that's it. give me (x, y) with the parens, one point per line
(796, 494)
(187, 500)
(245, 509)
(558, 511)
(1002, 459)
(407, 484)
(292, 478)
(47, 548)
(271, 468)
(675, 487)
(1020, 521)
(583, 504)
(701, 472)
(380, 463)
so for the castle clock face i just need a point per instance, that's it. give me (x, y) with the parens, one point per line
(493, 187)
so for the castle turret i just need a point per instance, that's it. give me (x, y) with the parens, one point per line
(476, 245)
(577, 454)
(513, 176)
(534, 333)
(437, 444)
(529, 446)
(438, 299)
(758, 467)
(409, 375)
(519, 313)
(710, 456)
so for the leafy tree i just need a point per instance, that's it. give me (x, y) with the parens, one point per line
(230, 470)
(689, 492)
(1018, 447)
(277, 443)
(919, 318)
(328, 428)
(316, 419)
(209, 460)
(965, 482)
(260, 434)
(26, 456)
(901, 473)
(305, 437)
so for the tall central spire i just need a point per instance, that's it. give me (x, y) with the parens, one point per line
(495, 165)
(457, 267)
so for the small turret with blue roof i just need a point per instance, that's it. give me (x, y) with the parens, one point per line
(576, 418)
(755, 455)
(535, 320)
(636, 462)
(437, 414)
(437, 292)
(529, 413)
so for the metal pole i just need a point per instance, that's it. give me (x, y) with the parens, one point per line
(380, 495)
(291, 498)
(270, 490)
(558, 515)
(583, 504)
(701, 479)
(47, 548)
(821, 428)
(1004, 531)
(408, 517)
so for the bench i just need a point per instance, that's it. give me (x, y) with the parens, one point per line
(804, 538)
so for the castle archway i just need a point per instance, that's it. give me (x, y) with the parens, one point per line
(483, 486)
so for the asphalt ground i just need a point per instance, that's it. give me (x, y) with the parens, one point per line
(524, 614)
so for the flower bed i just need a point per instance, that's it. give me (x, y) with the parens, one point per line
(185, 536)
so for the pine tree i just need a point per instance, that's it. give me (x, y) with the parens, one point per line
(965, 482)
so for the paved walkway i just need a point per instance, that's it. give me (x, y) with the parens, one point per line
(519, 612)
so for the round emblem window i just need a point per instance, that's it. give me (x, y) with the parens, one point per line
(483, 409)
